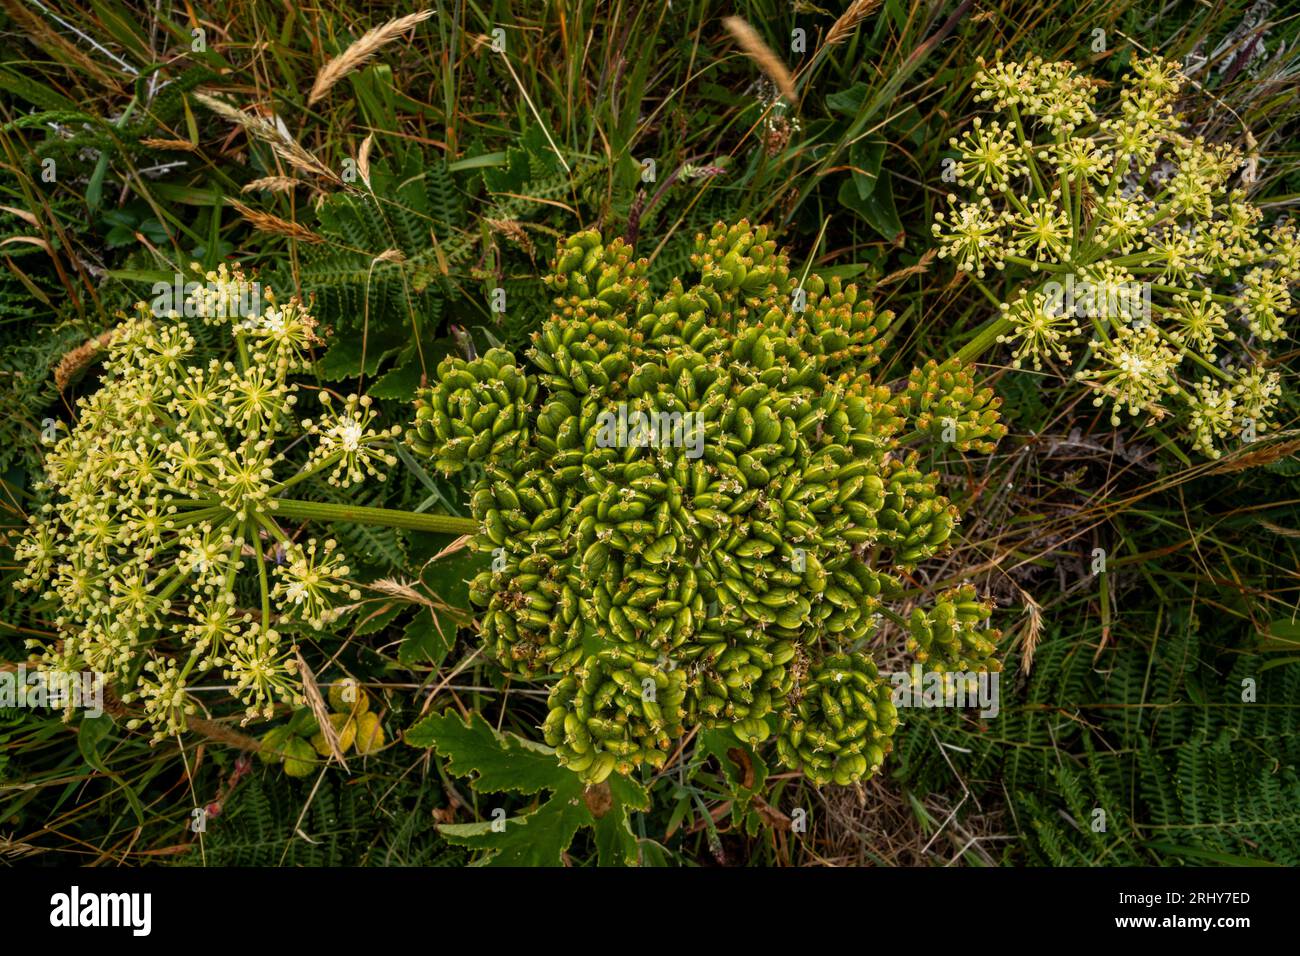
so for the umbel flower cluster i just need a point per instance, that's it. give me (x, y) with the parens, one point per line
(163, 542)
(1138, 256)
(699, 504)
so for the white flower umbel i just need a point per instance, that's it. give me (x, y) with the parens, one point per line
(163, 542)
(1106, 198)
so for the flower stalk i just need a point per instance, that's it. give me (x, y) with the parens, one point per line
(383, 517)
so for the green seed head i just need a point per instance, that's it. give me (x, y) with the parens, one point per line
(696, 500)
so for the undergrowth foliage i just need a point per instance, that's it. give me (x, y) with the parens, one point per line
(372, 824)
(700, 504)
(1164, 760)
(396, 257)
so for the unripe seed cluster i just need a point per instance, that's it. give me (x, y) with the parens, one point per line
(952, 635)
(697, 503)
(838, 729)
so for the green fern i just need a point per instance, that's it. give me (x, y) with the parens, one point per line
(1183, 773)
(397, 256)
(368, 823)
(408, 210)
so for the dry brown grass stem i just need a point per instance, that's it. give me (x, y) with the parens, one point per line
(758, 51)
(842, 28)
(359, 53)
(272, 184)
(319, 710)
(78, 360)
(267, 132)
(274, 224)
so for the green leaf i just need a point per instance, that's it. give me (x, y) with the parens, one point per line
(95, 186)
(477, 162)
(504, 762)
(427, 639)
(303, 723)
(616, 844)
(1223, 859)
(38, 94)
(501, 761)
(349, 349)
(374, 94)
(375, 619)
(513, 178)
(865, 156)
(654, 854)
(399, 383)
(744, 771)
(124, 27)
(542, 160)
(878, 209)
(448, 578)
(849, 100)
(536, 838)
(90, 735)
(1280, 636)
(175, 193)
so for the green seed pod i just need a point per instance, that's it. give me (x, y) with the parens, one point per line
(951, 637)
(475, 411)
(752, 730)
(613, 705)
(834, 737)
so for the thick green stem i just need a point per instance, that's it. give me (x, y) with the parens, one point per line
(896, 618)
(984, 339)
(360, 514)
(1041, 266)
(307, 472)
(1159, 287)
